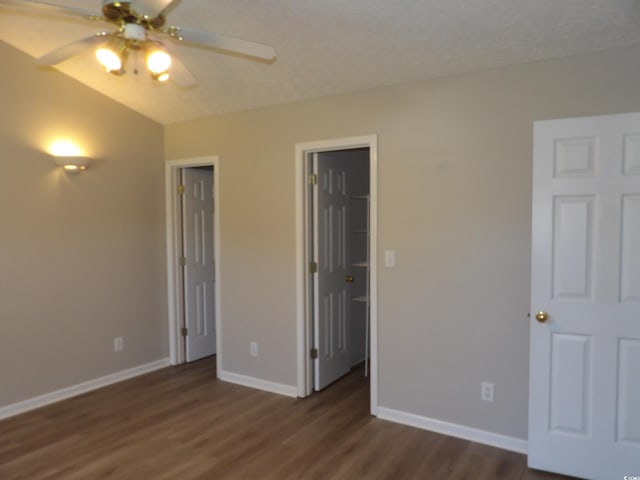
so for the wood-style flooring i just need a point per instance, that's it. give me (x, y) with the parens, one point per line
(182, 423)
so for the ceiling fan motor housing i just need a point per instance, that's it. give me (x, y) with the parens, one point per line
(135, 32)
(121, 13)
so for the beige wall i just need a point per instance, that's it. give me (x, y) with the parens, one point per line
(81, 257)
(454, 189)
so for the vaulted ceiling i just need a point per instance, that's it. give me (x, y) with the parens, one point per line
(326, 47)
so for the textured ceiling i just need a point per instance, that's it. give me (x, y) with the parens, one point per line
(333, 46)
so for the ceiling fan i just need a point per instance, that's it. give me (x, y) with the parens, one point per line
(141, 24)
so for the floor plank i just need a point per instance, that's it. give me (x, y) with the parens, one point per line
(180, 422)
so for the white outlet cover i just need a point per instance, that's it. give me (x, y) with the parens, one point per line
(487, 391)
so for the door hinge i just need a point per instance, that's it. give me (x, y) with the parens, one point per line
(180, 189)
(184, 331)
(182, 261)
(313, 267)
(313, 179)
(313, 353)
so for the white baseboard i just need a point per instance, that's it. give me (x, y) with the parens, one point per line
(454, 430)
(74, 390)
(258, 383)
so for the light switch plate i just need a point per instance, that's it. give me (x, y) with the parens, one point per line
(389, 258)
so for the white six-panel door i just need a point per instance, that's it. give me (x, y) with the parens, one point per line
(198, 248)
(331, 200)
(584, 400)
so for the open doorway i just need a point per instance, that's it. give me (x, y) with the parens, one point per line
(193, 280)
(336, 202)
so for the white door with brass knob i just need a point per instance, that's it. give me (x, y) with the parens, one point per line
(584, 394)
(331, 198)
(198, 252)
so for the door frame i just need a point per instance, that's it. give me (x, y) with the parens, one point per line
(175, 300)
(303, 306)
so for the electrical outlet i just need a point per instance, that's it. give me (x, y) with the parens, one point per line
(253, 349)
(486, 392)
(118, 344)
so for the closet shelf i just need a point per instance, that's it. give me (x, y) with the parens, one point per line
(361, 231)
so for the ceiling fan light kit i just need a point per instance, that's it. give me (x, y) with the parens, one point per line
(138, 22)
(114, 53)
(132, 37)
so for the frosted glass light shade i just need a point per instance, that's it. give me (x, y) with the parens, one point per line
(109, 59)
(158, 62)
(72, 164)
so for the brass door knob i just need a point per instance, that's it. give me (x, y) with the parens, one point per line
(542, 316)
(348, 278)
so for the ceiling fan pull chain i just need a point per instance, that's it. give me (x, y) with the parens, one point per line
(135, 62)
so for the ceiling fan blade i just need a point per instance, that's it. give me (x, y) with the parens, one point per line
(150, 8)
(43, 7)
(75, 48)
(222, 42)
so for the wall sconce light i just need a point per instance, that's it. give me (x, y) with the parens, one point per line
(72, 164)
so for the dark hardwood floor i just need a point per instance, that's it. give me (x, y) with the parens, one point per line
(182, 423)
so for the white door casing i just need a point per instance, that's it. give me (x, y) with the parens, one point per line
(198, 252)
(303, 334)
(331, 309)
(584, 393)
